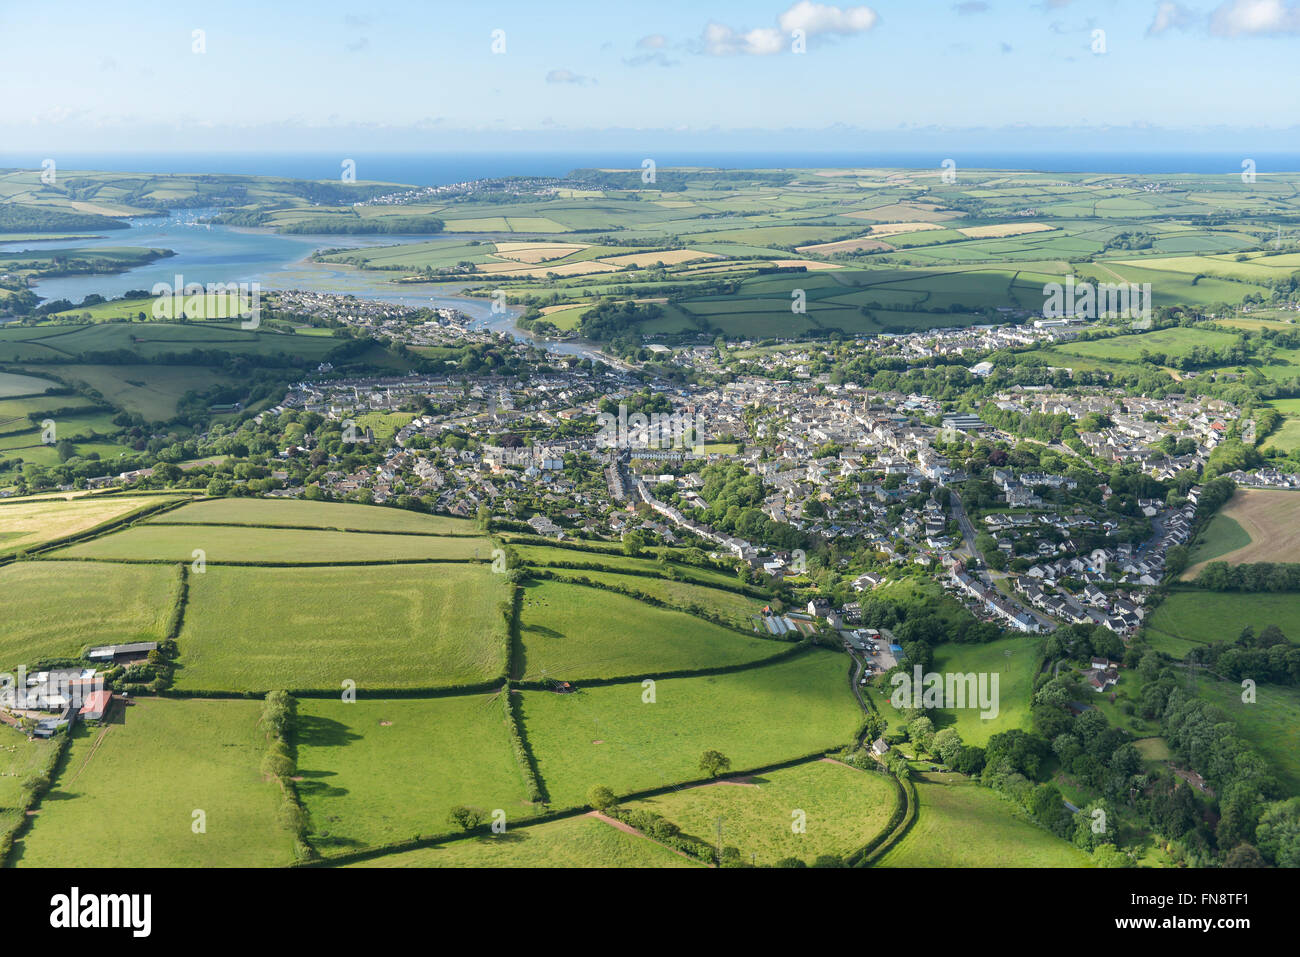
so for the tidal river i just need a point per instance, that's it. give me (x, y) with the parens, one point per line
(211, 254)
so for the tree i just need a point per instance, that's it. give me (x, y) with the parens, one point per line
(1244, 855)
(633, 543)
(1278, 834)
(921, 732)
(947, 745)
(714, 763)
(465, 818)
(601, 798)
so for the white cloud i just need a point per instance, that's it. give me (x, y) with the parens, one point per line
(819, 18)
(568, 76)
(1169, 16)
(1255, 18)
(653, 41)
(814, 19)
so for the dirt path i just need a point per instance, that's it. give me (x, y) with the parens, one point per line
(629, 829)
(93, 750)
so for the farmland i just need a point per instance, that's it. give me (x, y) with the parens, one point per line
(572, 842)
(375, 772)
(396, 626)
(421, 646)
(24, 524)
(857, 246)
(1268, 723)
(19, 760)
(992, 834)
(113, 771)
(609, 736)
(269, 546)
(54, 609)
(843, 808)
(1014, 660)
(313, 515)
(1267, 529)
(575, 632)
(738, 610)
(1189, 618)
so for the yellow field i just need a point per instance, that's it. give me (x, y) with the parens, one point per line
(670, 258)
(906, 212)
(894, 229)
(811, 264)
(1271, 517)
(1004, 229)
(537, 252)
(31, 522)
(844, 246)
(540, 272)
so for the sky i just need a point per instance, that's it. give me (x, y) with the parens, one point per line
(1039, 74)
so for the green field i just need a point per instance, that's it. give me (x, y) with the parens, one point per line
(1268, 724)
(326, 515)
(374, 772)
(128, 799)
(608, 736)
(734, 608)
(1189, 618)
(20, 758)
(13, 384)
(843, 808)
(1015, 685)
(572, 842)
(223, 543)
(396, 626)
(71, 342)
(1221, 536)
(574, 632)
(1287, 436)
(152, 391)
(612, 560)
(962, 824)
(55, 609)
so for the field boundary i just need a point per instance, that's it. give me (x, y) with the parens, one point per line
(657, 602)
(320, 528)
(484, 830)
(103, 528)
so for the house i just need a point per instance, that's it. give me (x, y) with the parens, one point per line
(544, 526)
(1101, 679)
(819, 607)
(879, 747)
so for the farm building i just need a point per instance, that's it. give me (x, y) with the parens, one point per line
(96, 706)
(122, 654)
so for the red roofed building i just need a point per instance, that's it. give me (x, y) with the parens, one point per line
(96, 704)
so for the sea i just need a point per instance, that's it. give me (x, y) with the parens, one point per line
(443, 168)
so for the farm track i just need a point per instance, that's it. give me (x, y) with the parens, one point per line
(94, 749)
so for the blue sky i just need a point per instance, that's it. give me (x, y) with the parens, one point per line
(407, 75)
